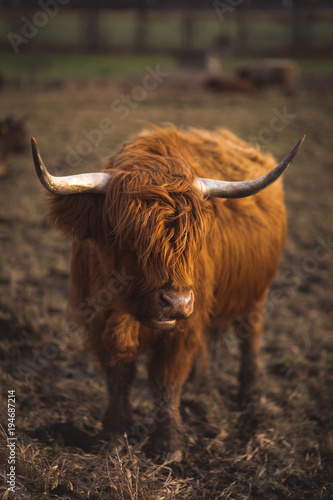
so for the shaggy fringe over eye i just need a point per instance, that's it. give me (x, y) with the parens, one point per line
(153, 211)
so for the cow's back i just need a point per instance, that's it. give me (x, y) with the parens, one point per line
(217, 155)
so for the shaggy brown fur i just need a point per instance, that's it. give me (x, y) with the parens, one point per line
(152, 229)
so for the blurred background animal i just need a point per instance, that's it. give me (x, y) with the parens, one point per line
(283, 73)
(13, 138)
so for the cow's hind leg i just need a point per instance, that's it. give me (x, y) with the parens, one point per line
(248, 332)
(169, 367)
(199, 378)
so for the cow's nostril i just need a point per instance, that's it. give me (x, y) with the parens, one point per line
(165, 300)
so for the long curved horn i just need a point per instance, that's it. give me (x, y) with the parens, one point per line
(95, 182)
(225, 189)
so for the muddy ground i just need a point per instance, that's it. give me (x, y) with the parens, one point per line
(283, 448)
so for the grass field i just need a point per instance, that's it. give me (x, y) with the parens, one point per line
(283, 448)
(32, 67)
(39, 68)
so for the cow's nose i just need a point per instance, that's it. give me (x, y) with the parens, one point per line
(176, 304)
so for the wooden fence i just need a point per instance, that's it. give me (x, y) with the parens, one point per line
(224, 29)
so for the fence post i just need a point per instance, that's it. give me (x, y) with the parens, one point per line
(90, 26)
(242, 20)
(187, 31)
(141, 38)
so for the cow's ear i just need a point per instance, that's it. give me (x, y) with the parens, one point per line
(77, 215)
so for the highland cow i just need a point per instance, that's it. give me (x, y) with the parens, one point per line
(283, 73)
(181, 232)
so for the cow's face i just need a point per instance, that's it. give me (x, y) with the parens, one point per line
(156, 226)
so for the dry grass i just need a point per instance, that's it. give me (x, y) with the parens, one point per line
(44, 472)
(281, 449)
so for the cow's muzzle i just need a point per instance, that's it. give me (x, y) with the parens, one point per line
(166, 306)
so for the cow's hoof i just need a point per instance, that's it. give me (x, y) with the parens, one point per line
(115, 426)
(166, 443)
(163, 454)
(175, 457)
(108, 442)
(165, 457)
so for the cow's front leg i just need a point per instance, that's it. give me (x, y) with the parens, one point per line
(248, 332)
(169, 367)
(116, 348)
(118, 416)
